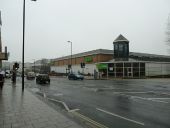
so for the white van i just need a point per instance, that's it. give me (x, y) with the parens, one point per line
(30, 75)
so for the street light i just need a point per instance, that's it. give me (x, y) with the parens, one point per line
(34, 65)
(23, 44)
(71, 54)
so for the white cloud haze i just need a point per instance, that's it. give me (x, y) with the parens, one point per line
(89, 24)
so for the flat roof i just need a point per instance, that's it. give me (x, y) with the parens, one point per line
(111, 52)
(93, 52)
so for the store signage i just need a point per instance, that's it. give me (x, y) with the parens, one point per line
(111, 68)
(101, 66)
(88, 59)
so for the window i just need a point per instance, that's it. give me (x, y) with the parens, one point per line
(121, 47)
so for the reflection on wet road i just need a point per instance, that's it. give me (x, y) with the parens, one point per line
(136, 103)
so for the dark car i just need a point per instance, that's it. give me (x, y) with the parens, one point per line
(75, 76)
(43, 79)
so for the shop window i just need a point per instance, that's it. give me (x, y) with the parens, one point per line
(142, 69)
(136, 65)
(127, 65)
(119, 65)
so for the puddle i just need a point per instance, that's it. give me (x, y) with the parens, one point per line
(35, 90)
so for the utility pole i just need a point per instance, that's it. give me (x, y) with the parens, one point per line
(34, 66)
(0, 40)
(71, 54)
(23, 44)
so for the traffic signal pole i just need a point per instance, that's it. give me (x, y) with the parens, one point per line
(14, 73)
(23, 46)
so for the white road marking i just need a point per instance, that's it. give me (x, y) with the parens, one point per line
(165, 98)
(113, 114)
(137, 97)
(73, 110)
(108, 89)
(58, 94)
(135, 92)
(63, 103)
(151, 99)
(123, 89)
(166, 94)
(143, 98)
(44, 95)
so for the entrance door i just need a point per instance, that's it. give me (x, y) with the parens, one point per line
(129, 72)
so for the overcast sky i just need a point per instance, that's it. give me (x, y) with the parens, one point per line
(89, 24)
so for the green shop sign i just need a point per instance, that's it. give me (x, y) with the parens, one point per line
(101, 66)
(88, 59)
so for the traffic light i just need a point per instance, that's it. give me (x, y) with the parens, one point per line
(69, 66)
(16, 66)
(82, 65)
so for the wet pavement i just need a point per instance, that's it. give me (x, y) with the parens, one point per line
(24, 110)
(134, 103)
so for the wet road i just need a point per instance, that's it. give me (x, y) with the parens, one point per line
(133, 103)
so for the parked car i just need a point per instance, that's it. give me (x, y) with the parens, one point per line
(75, 76)
(30, 76)
(43, 79)
(8, 74)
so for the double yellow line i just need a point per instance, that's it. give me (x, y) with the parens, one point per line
(98, 125)
(74, 112)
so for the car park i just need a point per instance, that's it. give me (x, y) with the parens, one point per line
(43, 79)
(74, 76)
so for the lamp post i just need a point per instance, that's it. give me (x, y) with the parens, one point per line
(23, 44)
(34, 66)
(71, 54)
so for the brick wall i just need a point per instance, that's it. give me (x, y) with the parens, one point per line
(92, 59)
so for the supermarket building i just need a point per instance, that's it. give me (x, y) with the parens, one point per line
(118, 63)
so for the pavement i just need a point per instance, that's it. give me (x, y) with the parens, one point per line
(24, 110)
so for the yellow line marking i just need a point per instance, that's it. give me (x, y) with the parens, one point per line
(89, 120)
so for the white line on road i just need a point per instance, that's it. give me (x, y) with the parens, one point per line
(113, 114)
(44, 95)
(73, 110)
(123, 89)
(63, 103)
(135, 92)
(143, 98)
(151, 99)
(165, 94)
(58, 94)
(165, 98)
